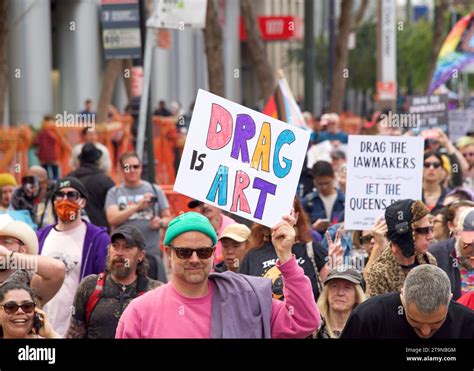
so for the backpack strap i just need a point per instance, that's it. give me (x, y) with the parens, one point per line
(95, 296)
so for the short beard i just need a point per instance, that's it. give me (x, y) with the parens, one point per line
(120, 272)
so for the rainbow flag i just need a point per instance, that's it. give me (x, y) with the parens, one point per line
(282, 106)
(457, 52)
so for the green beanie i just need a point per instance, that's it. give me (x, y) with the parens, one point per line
(189, 222)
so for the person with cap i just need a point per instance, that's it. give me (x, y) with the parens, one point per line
(142, 204)
(200, 304)
(7, 185)
(96, 182)
(464, 248)
(341, 294)
(448, 252)
(422, 309)
(19, 260)
(80, 245)
(219, 221)
(409, 233)
(89, 135)
(234, 241)
(101, 299)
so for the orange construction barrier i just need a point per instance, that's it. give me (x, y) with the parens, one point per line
(14, 145)
(178, 202)
(165, 139)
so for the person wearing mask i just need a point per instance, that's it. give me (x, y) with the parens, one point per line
(80, 245)
(341, 294)
(409, 232)
(422, 309)
(200, 304)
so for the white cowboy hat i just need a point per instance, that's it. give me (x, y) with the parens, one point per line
(21, 231)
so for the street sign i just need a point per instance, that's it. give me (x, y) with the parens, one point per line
(120, 21)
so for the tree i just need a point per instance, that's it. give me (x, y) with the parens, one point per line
(257, 51)
(347, 23)
(214, 50)
(3, 54)
(439, 33)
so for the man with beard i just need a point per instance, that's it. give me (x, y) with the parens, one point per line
(197, 304)
(80, 245)
(101, 299)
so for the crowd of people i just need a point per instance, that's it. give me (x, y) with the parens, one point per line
(84, 257)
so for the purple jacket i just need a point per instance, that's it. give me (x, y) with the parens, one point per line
(94, 251)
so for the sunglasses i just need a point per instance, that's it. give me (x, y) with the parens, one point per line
(365, 239)
(434, 165)
(187, 252)
(71, 195)
(423, 230)
(11, 307)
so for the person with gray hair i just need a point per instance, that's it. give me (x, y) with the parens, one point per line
(422, 309)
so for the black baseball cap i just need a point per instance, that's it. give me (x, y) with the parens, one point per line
(73, 183)
(131, 234)
(345, 272)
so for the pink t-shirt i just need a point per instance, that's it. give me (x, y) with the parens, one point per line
(226, 221)
(164, 313)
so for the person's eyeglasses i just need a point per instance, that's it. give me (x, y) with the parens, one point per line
(71, 195)
(423, 230)
(10, 307)
(134, 167)
(187, 252)
(434, 165)
(365, 239)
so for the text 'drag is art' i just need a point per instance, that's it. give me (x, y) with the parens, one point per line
(240, 160)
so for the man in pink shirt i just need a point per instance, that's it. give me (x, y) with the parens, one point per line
(200, 304)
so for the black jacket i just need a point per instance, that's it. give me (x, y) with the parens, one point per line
(97, 184)
(443, 252)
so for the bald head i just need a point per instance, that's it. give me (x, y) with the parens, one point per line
(38, 171)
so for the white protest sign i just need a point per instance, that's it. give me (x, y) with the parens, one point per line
(240, 160)
(179, 14)
(380, 171)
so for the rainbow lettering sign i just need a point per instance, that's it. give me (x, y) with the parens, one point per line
(240, 160)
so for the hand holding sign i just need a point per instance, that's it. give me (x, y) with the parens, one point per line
(283, 237)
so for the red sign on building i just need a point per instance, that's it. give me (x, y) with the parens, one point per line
(277, 28)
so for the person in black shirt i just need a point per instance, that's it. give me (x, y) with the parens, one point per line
(423, 309)
(261, 260)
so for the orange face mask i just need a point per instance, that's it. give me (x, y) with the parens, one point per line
(68, 211)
